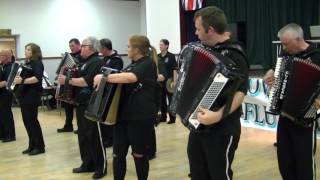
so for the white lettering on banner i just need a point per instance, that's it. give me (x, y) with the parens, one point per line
(254, 107)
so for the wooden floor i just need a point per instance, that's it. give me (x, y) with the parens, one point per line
(255, 158)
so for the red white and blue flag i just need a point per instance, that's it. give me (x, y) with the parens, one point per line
(191, 5)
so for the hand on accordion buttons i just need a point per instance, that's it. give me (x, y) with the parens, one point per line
(96, 81)
(207, 117)
(269, 77)
(317, 101)
(61, 79)
(17, 80)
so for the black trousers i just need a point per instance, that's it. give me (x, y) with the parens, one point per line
(31, 122)
(7, 129)
(135, 134)
(152, 143)
(92, 152)
(211, 154)
(107, 134)
(68, 109)
(296, 147)
(164, 106)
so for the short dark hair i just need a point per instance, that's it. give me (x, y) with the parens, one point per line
(106, 43)
(74, 40)
(212, 16)
(165, 42)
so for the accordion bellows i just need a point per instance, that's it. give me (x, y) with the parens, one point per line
(297, 85)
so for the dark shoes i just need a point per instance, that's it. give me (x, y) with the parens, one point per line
(33, 152)
(36, 151)
(27, 151)
(98, 175)
(153, 156)
(8, 139)
(65, 129)
(81, 170)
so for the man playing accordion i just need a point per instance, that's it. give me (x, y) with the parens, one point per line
(91, 147)
(296, 144)
(7, 129)
(211, 152)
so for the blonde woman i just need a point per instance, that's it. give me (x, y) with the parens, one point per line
(137, 107)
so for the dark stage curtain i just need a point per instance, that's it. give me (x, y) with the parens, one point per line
(262, 19)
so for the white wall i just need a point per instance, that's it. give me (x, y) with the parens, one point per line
(163, 21)
(51, 23)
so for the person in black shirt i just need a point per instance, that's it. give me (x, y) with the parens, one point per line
(169, 60)
(296, 145)
(110, 56)
(137, 111)
(112, 60)
(74, 45)
(30, 99)
(211, 152)
(7, 129)
(92, 152)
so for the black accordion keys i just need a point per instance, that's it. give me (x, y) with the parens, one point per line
(17, 70)
(205, 78)
(104, 102)
(296, 86)
(67, 67)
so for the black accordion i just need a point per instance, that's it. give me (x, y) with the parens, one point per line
(206, 79)
(17, 70)
(104, 102)
(296, 86)
(67, 67)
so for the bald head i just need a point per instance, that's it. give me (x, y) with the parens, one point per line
(5, 56)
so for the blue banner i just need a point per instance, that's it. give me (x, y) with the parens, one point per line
(254, 106)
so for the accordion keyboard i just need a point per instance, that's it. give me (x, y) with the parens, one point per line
(210, 96)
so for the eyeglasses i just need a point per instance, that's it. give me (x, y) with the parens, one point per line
(84, 45)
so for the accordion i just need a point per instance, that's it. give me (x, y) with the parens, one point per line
(206, 79)
(67, 67)
(17, 70)
(296, 86)
(104, 102)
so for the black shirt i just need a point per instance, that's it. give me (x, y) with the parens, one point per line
(5, 95)
(170, 63)
(231, 123)
(114, 61)
(138, 99)
(162, 69)
(87, 71)
(308, 53)
(31, 93)
(77, 57)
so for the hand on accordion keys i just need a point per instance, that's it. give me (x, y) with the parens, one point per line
(61, 79)
(207, 117)
(97, 80)
(17, 80)
(269, 77)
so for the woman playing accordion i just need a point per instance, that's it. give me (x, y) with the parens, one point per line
(30, 99)
(137, 109)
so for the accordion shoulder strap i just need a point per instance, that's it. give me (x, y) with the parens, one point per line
(310, 53)
(233, 46)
